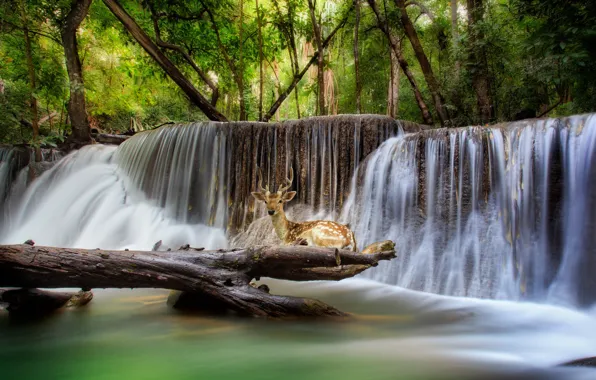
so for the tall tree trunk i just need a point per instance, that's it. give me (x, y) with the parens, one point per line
(455, 33)
(357, 58)
(32, 84)
(478, 61)
(393, 88)
(287, 29)
(260, 36)
(292, 38)
(431, 80)
(153, 50)
(284, 94)
(320, 57)
(77, 111)
(237, 70)
(240, 74)
(395, 46)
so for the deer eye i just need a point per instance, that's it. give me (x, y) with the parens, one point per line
(280, 201)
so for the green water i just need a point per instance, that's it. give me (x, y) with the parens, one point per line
(134, 335)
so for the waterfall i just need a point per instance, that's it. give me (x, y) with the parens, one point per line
(11, 161)
(504, 212)
(188, 183)
(87, 200)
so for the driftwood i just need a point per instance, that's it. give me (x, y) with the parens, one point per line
(216, 277)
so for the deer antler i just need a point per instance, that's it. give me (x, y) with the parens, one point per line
(260, 178)
(282, 189)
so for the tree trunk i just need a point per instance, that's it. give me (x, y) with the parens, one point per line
(32, 85)
(357, 58)
(173, 72)
(478, 61)
(287, 29)
(261, 77)
(320, 58)
(299, 76)
(431, 80)
(221, 276)
(395, 46)
(240, 73)
(77, 111)
(455, 33)
(393, 88)
(237, 71)
(292, 38)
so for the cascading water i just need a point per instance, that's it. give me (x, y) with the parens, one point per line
(88, 201)
(498, 212)
(180, 179)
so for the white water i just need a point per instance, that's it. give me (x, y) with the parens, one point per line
(489, 232)
(87, 201)
(492, 246)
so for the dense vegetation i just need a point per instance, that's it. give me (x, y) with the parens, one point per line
(433, 61)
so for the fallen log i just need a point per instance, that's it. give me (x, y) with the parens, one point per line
(219, 277)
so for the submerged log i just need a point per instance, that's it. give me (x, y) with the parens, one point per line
(218, 277)
(37, 303)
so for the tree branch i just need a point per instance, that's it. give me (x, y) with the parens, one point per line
(185, 54)
(164, 62)
(423, 9)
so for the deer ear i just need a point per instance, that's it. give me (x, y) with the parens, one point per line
(258, 196)
(289, 196)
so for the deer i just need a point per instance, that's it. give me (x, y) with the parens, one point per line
(321, 233)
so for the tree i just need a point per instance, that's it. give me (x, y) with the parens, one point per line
(237, 70)
(318, 39)
(455, 32)
(396, 48)
(77, 111)
(478, 60)
(285, 23)
(356, 58)
(260, 35)
(393, 87)
(297, 78)
(184, 52)
(31, 70)
(173, 72)
(427, 70)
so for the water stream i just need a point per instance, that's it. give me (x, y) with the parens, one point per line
(492, 280)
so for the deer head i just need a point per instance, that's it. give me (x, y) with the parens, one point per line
(274, 201)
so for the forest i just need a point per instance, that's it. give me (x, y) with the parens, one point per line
(69, 66)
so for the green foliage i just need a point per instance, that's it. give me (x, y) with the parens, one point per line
(539, 54)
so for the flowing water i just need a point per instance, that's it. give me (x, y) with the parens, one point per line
(501, 213)
(492, 229)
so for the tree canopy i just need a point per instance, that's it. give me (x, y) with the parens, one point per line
(449, 63)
